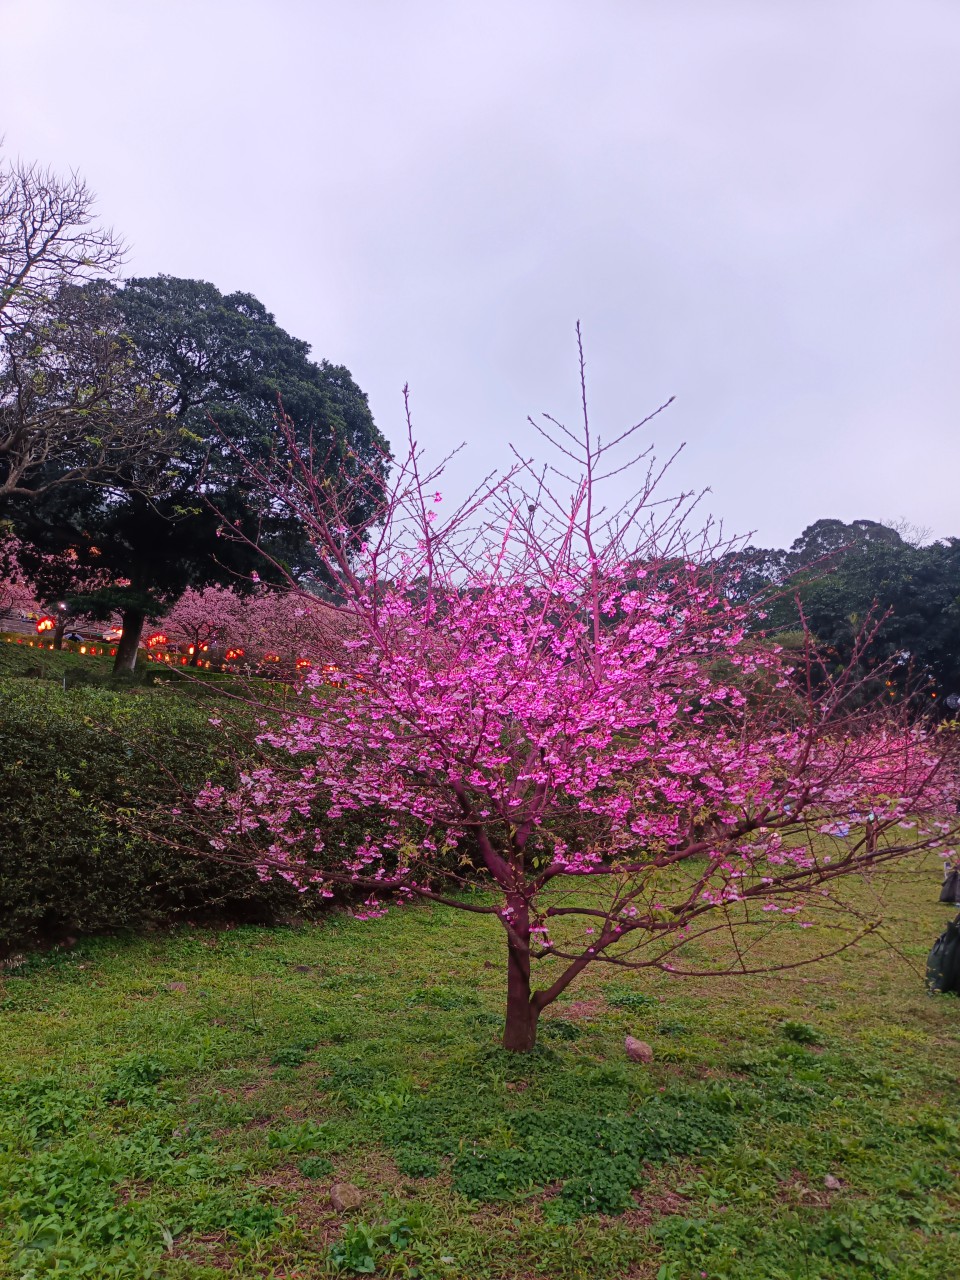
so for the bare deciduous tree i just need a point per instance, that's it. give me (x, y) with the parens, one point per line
(48, 238)
(72, 406)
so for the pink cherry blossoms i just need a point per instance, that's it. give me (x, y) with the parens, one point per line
(16, 594)
(294, 629)
(557, 702)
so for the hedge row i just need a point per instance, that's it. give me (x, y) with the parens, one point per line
(82, 770)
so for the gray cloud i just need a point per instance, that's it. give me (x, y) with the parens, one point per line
(751, 204)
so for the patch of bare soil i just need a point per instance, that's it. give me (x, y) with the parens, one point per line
(653, 1204)
(579, 1010)
(796, 1191)
(306, 1200)
(207, 1251)
(376, 1167)
(130, 1192)
(658, 1197)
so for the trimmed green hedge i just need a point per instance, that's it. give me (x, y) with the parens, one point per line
(76, 765)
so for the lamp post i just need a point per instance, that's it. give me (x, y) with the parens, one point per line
(60, 625)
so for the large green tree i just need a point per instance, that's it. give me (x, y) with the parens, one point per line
(847, 576)
(826, 543)
(915, 594)
(193, 516)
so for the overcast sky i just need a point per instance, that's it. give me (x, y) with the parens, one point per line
(750, 204)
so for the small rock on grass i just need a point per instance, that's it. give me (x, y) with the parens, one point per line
(344, 1196)
(638, 1050)
(832, 1183)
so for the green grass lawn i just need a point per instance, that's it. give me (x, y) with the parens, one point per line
(18, 657)
(179, 1106)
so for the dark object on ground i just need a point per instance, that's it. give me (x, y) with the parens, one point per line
(950, 891)
(943, 962)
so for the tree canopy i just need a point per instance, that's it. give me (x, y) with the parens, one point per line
(192, 515)
(568, 712)
(838, 578)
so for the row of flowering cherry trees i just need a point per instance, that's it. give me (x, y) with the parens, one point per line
(556, 701)
(266, 626)
(20, 598)
(256, 626)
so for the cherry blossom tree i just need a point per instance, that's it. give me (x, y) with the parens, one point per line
(16, 594)
(53, 583)
(556, 702)
(202, 619)
(295, 630)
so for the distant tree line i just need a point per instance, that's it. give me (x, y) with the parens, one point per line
(840, 578)
(136, 415)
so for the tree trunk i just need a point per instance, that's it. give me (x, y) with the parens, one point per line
(132, 621)
(59, 627)
(520, 1029)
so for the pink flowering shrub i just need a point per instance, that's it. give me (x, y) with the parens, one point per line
(200, 620)
(16, 594)
(34, 582)
(558, 701)
(291, 627)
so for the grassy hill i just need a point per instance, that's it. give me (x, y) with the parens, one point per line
(181, 1105)
(19, 658)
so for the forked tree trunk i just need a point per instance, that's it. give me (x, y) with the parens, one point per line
(131, 620)
(520, 1028)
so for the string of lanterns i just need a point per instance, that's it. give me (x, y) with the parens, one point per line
(156, 651)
